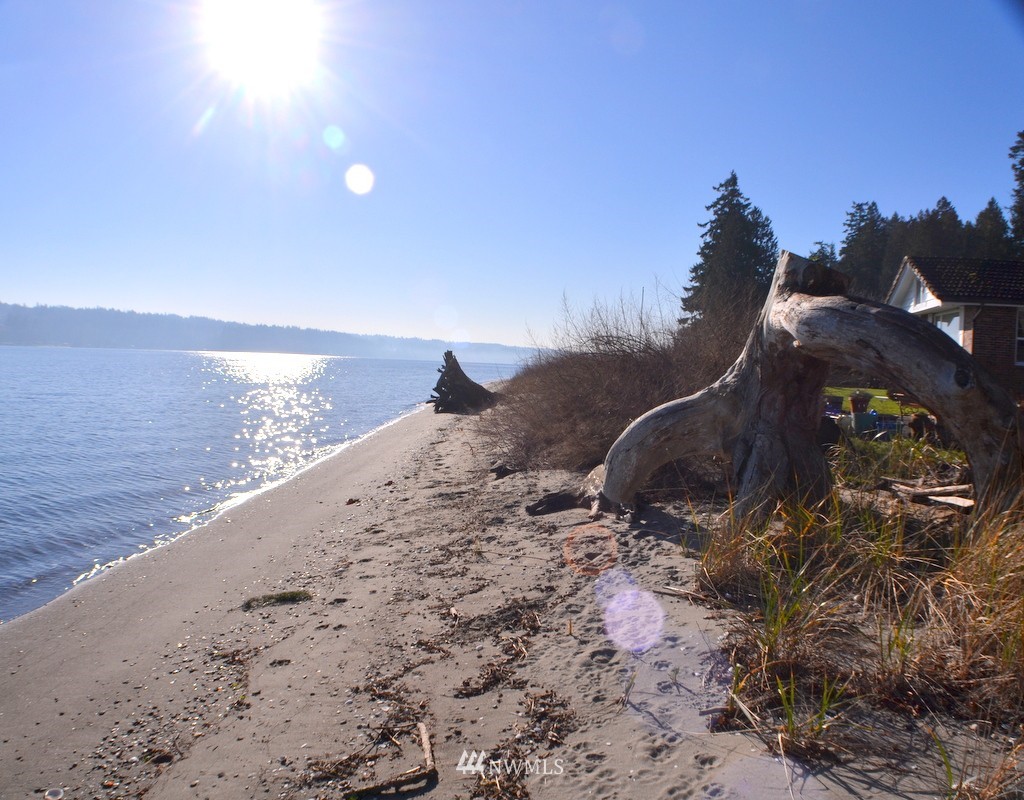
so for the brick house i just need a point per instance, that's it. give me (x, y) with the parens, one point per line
(978, 302)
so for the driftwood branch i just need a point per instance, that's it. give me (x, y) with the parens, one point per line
(765, 411)
(428, 751)
(414, 775)
(427, 772)
(456, 393)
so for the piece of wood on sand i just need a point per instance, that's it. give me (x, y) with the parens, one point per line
(426, 773)
(763, 414)
(959, 503)
(456, 392)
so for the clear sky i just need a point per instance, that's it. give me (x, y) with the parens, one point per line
(153, 158)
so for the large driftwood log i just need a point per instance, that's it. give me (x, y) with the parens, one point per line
(456, 393)
(765, 411)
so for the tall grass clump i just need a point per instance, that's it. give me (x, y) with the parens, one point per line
(849, 614)
(972, 646)
(865, 463)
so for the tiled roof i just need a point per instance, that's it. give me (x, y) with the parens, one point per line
(971, 280)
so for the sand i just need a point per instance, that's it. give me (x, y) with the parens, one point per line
(433, 598)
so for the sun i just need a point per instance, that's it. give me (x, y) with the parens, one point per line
(269, 49)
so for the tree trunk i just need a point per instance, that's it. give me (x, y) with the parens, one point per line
(765, 411)
(456, 393)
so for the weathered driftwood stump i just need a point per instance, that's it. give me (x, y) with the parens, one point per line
(765, 411)
(456, 393)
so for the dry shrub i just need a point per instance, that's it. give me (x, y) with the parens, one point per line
(565, 410)
(610, 365)
(972, 645)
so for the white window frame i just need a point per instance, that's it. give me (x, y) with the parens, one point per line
(921, 298)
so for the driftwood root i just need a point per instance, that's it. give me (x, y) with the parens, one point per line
(764, 413)
(456, 393)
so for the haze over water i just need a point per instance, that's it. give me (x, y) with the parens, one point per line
(107, 453)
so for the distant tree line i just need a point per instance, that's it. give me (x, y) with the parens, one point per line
(739, 249)
(101, 327)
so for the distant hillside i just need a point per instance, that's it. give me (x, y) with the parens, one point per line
(101, 327)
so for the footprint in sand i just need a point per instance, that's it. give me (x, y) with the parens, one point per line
(603, 655)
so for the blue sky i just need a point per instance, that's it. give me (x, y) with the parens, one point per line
(522, 150)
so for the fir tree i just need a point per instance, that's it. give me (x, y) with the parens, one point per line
(937, 232)
(1017, 207)
(824, 253)
(896, 248)
(989, 236)
(737, 257)
(862, 253)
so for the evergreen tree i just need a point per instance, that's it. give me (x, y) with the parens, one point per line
(737, 257)
(825, 253)
(1017, 207)
(937, 232)
(989, 236)
(863, 249)
(896, 248)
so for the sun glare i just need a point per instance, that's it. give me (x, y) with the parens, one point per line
(267, 48)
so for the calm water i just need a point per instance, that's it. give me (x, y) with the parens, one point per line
(104, 453)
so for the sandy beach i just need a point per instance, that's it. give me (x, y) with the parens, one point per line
(433, 598)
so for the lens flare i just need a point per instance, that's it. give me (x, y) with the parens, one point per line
(446, 317)
(634, 620)
(612, 583)
(203, 121)
(590, 550)
(359, 179)
(334, 137)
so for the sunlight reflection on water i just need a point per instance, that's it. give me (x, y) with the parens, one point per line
(270, 368)
(110, 452)
(282, 413)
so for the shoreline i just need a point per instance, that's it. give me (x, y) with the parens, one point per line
(230, 502)
(216, 511)
(209, 515)
(431, 598)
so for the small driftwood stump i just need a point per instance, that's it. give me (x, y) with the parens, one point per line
(765, 411)
(456, 393)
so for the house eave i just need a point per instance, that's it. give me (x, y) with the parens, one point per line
(980, 301)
